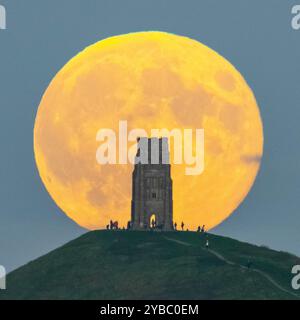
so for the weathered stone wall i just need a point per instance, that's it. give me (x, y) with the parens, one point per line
(152, 186)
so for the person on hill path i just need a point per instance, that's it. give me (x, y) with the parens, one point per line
(249, 264)
(207, 244)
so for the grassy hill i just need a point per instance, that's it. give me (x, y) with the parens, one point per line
(154, 265)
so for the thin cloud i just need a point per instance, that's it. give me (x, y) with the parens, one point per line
(256, 158)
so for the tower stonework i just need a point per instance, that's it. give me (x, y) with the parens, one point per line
(152, 186)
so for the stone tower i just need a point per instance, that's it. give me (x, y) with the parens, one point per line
(152, 186)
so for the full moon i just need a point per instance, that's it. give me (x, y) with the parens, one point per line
(151, 80)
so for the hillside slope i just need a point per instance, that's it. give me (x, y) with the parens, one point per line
(154, 265)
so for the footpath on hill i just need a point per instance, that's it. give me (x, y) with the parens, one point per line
(221, 257)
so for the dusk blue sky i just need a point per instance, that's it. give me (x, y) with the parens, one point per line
(41, 36)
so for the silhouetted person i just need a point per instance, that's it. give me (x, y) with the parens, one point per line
(153, 223)
(182, 225)
(199, 229)
(203, 228)
(249, 264)
(111, 224)
(128, 225)
(107, 227)
(175, 226)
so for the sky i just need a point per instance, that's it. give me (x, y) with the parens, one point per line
(41, 36)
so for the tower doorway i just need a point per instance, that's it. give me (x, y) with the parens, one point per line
(152, 221)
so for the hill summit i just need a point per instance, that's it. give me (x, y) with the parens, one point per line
(154, 265)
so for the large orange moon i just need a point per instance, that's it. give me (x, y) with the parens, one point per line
(152, 80)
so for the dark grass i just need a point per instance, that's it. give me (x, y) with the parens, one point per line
(144, 265)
